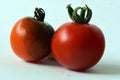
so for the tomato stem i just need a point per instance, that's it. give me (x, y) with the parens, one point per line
(39, 14)
(84, 16)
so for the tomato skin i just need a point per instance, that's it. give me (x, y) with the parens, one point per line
(78, 46)
(30, 39)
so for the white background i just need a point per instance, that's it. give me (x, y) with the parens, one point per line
(106, 15)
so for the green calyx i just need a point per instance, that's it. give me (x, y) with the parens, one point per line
(84, 16)
(39, 14)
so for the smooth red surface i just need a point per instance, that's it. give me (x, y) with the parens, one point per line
(30, 40)
(78, 46)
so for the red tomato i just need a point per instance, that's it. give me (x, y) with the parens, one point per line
(31, 37)
(78, 45)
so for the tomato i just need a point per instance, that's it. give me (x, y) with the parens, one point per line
(78, 45)
(31, 37)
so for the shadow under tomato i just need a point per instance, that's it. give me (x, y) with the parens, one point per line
(105, 69)
(48, 61)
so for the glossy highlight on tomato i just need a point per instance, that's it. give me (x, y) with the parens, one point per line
(31, 37)
(78, 45)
